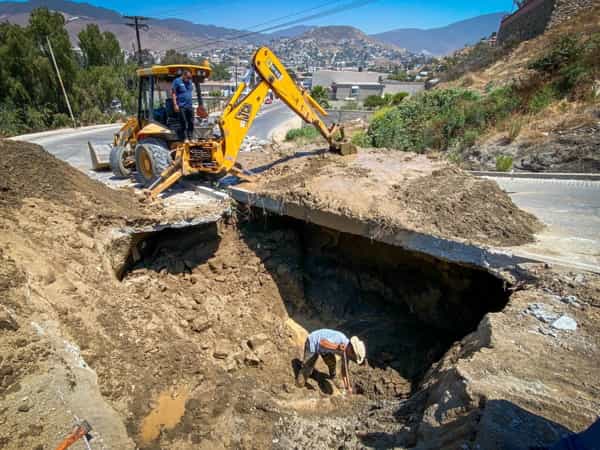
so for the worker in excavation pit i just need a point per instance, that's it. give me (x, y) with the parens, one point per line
(327, 344)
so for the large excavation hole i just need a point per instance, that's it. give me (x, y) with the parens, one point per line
(409, 308)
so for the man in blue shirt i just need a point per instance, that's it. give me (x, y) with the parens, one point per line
(182, 94)
(327, 344)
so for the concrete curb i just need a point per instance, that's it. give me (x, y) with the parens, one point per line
(538, 175)
(50, 133)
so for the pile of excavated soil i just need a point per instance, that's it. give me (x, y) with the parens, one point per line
(397, 191)
(28, 171)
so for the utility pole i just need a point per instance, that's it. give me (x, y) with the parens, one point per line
(62, 86)
(137, 24)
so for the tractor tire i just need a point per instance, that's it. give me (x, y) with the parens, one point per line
(117, 162)
(152, 157)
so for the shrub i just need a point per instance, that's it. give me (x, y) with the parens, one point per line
(10, 122)
(571, 65)
(430, 119)
(61, 120)
(542, 99)
(565, 50)
(361, 139)
(321, 96)
(470, 137)
(398, 97)
(504, 163)
(375, 101)
(92, 116)
(304, 133)
(514, 129)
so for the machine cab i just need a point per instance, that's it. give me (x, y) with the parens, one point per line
(155, 104)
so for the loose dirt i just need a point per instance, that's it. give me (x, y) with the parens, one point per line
(29, 171)
(397, 190)
(197, 345)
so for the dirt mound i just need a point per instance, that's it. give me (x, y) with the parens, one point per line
(28, 171)
(398, 191)
(451, 202)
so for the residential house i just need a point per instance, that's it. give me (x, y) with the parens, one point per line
(348, 85)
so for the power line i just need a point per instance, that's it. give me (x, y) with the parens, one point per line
(138, 25)
(352, 5)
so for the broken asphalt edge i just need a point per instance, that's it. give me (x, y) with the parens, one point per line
(490, 259)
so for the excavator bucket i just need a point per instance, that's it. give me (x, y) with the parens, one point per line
(100, 156)
(343, 148)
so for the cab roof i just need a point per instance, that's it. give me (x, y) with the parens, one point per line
(172, 70)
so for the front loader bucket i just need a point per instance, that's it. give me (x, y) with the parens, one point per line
(100, 156)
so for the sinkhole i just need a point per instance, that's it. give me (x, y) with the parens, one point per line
(408, 307)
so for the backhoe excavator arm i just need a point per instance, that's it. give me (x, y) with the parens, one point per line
(240, 112)
(239, 115)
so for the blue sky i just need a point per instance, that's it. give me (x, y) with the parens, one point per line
(377, 16)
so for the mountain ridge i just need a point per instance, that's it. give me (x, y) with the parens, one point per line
(443, 40)
(182, 34)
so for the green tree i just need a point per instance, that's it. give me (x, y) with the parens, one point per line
(174, 57)
(99, 49)
(46, 26)
(321, 96)
(220, 72)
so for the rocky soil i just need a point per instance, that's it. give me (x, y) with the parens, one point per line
(196, 345)
(561, 150)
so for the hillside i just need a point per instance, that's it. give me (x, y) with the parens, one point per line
(553, 77)
(335, 33)
(162, 35)
(444, 40)
(291, 32)
(342, 35)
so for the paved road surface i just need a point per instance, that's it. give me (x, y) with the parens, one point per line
(72, 146)
(571, 211)
(270, 117)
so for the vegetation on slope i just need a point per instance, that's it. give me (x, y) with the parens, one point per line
(454, 118)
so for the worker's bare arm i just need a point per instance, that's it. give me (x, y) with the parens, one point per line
(174, 97)
(328, 345)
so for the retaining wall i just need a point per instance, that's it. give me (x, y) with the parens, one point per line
(536, 16)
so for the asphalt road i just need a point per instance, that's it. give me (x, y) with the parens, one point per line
(71, 146)
(571, 211)
(270, 117)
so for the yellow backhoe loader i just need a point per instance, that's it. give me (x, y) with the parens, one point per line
(160, 159)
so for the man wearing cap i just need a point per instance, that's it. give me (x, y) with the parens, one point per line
(327, 344)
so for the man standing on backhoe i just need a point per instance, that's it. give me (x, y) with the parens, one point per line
(327, 344)
(182, 94)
